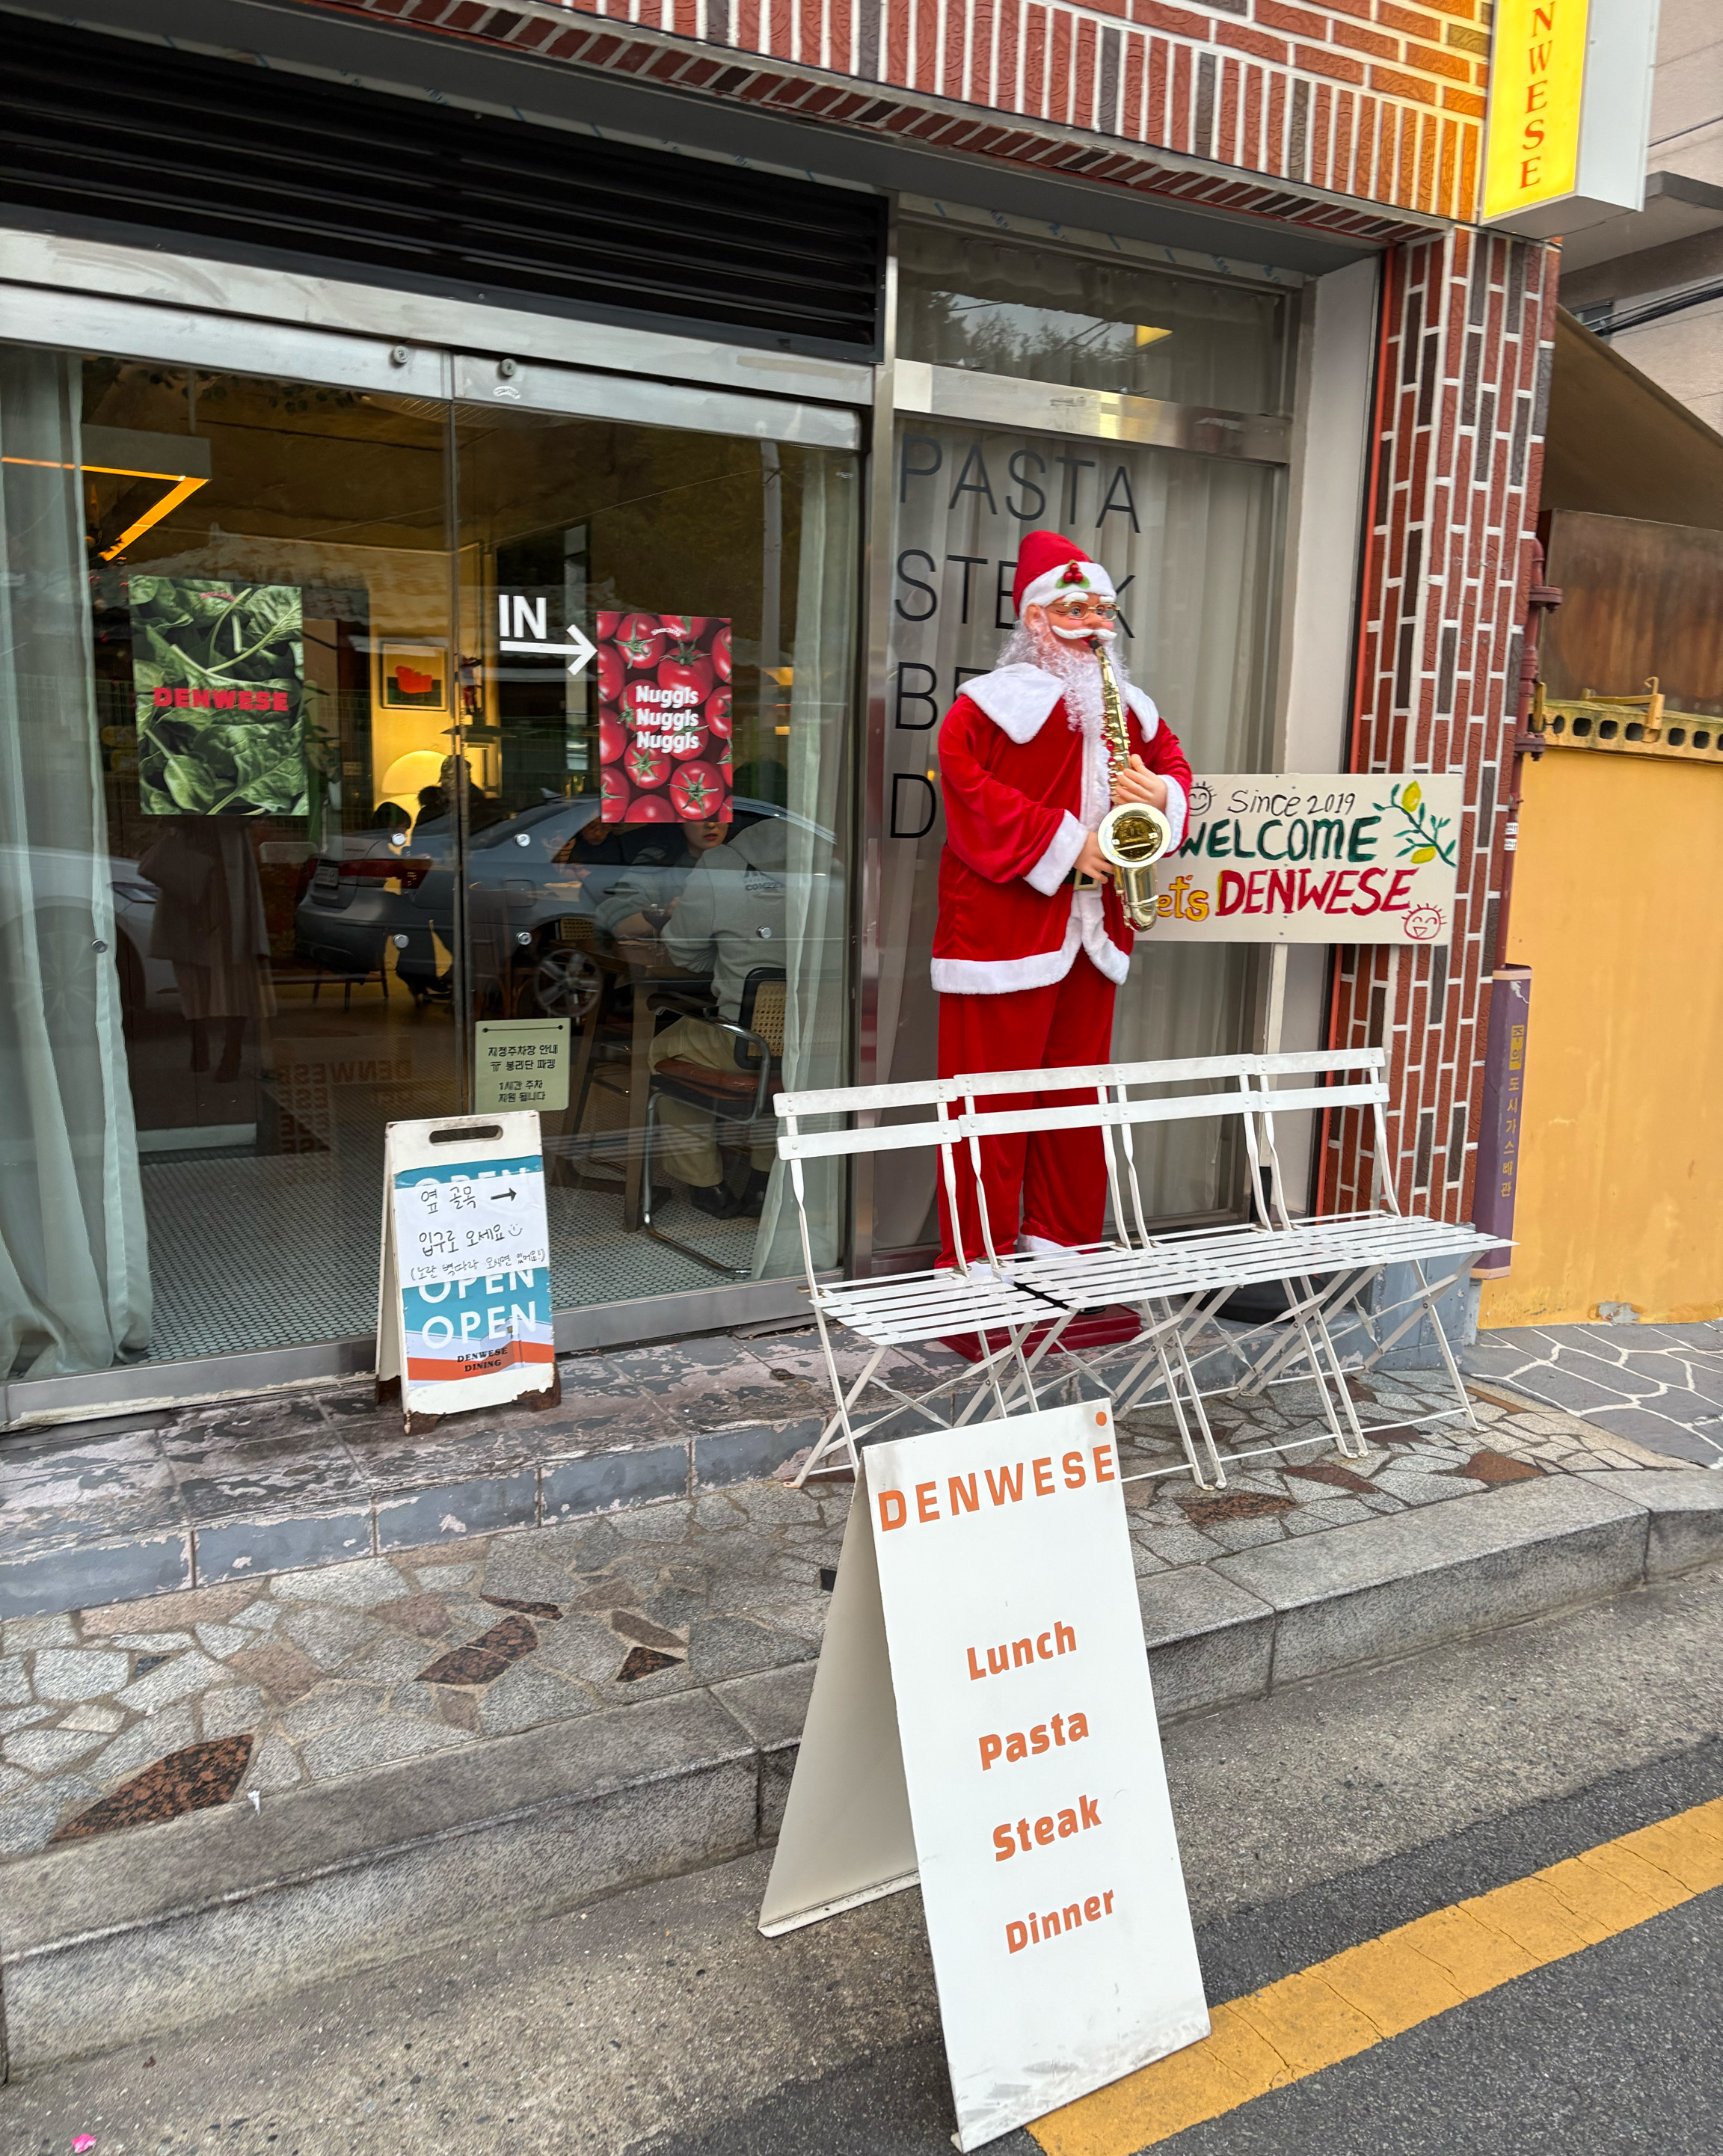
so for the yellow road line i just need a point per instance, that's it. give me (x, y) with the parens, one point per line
(1355, 2000)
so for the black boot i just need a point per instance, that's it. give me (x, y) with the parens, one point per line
(716, 1199)
(753, 1198)
(234, 1042)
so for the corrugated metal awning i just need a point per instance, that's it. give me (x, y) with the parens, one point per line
(1619, 445)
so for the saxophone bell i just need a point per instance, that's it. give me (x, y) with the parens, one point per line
(1132, 835)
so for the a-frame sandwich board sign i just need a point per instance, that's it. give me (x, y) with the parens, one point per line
(982, 1720)
(463, 1301)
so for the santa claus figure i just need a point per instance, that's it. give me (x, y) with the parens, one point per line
(1031, 940)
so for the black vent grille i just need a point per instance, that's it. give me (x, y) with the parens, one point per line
(277, 167)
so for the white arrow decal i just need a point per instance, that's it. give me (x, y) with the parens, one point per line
(583, 648)
(581, 651)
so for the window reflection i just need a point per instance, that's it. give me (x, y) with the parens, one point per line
(1092, 324)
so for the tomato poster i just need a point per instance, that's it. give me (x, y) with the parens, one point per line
(664, 718)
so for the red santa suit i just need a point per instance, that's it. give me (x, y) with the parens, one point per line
(1026, 964)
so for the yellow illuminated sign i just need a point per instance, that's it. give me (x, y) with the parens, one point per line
(1537, 68)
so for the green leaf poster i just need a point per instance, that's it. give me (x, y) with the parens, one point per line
(219, 676)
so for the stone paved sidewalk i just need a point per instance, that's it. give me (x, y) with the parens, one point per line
(136, 1712)
(1660, 1385)
(196, 1496)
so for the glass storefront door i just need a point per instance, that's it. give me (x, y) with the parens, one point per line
(282, 820)
(655, 854)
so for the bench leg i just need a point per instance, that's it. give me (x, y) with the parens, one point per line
(1202, 1413)
(1423, 1303)
(837, 1432)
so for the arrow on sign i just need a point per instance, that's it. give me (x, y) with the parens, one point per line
(581, 649)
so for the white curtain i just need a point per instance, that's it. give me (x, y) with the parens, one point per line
(816, 903)
(1192, 542)
(74, 1289)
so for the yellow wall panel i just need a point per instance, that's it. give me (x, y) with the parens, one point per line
(1618, 909)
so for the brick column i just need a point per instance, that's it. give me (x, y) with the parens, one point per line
(1468, 324)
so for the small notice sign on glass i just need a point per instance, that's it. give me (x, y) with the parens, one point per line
(521, 1063)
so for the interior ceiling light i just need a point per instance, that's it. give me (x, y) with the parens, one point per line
(178, 485)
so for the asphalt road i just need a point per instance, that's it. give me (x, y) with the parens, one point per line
(659, 2024)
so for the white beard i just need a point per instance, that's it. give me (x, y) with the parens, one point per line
(1074, 666)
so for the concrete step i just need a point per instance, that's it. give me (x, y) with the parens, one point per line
(109, 1940)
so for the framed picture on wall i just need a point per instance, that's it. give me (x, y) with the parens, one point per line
(413, 675)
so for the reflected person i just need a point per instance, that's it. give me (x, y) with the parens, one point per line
(638, 902)
(729, 921)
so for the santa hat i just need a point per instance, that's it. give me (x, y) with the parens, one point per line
(1051, 566)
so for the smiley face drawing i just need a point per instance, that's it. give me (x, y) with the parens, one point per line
(1423, 924)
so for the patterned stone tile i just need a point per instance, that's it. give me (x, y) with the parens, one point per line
(230, 1710)
(644, 1662)
(527, 1695)
(28, 1819)
(1206, 1508)
(274, 1766)
(333, 1705)
(186, 1781)
(485, 1658)
(644, 1633)
(329, 1636)
(549, 1612)
(425, 1616)
(362, 1585)
(582, 1647)
(92, 1714)
(175, 1679)
(1661, 1385)
(48, 1751)
(62, 1673)
(144, 1742)
(222, 1640)
(23, 1633)
(280, 1669)
(1486, 1465)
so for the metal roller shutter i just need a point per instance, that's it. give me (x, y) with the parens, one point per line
(362, 185)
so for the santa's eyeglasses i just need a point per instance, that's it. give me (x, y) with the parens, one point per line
(1080, 610)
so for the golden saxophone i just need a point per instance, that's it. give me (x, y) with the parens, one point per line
(1132, 835)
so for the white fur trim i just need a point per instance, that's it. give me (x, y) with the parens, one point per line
(999, 977)
(1019, 699)
(1090, 921)
(1039, 1246)
(1052, 585)
(1085, 931)
(1177, 813)
(1056, 863)
(1144, 705)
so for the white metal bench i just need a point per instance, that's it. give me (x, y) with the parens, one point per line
(1019, 1306)
(1179, 1281)
(902, 1310)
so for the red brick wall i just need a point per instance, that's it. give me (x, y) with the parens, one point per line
(1362, 99)
(1468, 321)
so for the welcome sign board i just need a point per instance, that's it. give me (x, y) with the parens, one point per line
(1363, 857)
(983, 1718)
